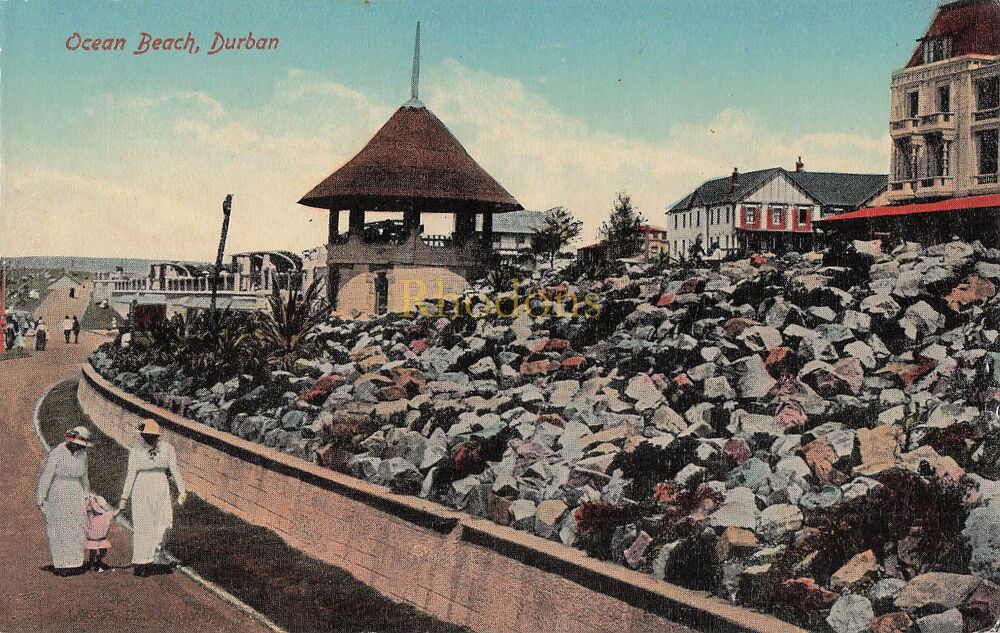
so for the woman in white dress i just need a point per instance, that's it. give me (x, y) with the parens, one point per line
(62, 484)
(150, 460)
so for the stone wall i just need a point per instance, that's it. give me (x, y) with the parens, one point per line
(463, 570)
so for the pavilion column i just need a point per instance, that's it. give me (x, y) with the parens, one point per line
(334, 226)
(465, 226)
(488, 227)
(357, 223)
(411, 222)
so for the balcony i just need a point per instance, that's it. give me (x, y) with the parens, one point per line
(931, 185)
(904, 127)
(986, 115)
(937, 121)
(902, 187)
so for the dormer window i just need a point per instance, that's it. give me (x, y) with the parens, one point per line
(937, 48)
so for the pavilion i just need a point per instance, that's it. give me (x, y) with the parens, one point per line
(413, 165)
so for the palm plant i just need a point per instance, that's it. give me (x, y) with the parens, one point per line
(290, 317)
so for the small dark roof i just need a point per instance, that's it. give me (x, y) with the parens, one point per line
(716, 191)
(827, 188)
(974, 27)
(834, 189)
(412, 162)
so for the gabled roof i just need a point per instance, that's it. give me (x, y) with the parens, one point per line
(716, 191)
(412, 162)
(840, 190)
(833, 189)
(974, 27)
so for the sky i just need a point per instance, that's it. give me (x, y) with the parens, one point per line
(565, 103)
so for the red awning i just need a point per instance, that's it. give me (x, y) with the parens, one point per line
(951, 204)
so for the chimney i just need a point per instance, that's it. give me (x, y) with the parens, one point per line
(734, 180)
(799, 165)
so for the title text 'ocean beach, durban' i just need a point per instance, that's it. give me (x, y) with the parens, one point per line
(149, 43)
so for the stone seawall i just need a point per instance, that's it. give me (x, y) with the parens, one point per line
(463, 570)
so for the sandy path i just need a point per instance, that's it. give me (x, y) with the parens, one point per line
(35, 600)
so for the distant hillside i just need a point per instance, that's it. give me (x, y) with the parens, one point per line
(89, 264)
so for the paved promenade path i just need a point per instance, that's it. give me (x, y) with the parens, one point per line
(32, 599)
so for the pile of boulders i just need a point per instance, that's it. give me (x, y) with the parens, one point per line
(811, 433)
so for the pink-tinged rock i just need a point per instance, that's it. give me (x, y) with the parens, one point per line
(974, 289)
(821, 459)
(573, 362)
(498, 509)
(757, 260)
(807, 595)
(689, 286)
(910, 373)
(790, 416)
(895, 622)
(665, 300)
(319, 391)
(850, 371)
(982, 608)
(737, 450)
(782, 362)
(636, 551)
(682, 380)
(418, 345)
(661, 381)
(941, 465)
(536, 367)
(854, 571)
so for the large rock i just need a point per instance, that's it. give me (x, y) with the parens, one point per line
(937, 591)
(850, 614)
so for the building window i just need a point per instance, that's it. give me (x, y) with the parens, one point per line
(697, 221)
(937, 49)
(803, 215)
(988, 94)
(776, 219)
(944, 99)
(912, 104)
(750, 216)
(675, 222)
(904, 160)
(684, 221)
(987, 152)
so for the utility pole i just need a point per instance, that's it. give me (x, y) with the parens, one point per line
(227, 207)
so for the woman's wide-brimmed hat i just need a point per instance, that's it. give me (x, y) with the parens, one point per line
(149, 426)
(80, 435)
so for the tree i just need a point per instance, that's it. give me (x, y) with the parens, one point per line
(559, 229)
(622, 231)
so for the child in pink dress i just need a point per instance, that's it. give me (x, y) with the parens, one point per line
(96, 525)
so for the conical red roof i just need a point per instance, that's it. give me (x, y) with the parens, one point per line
(413, 162)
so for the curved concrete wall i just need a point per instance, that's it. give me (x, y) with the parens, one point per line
(460, 569)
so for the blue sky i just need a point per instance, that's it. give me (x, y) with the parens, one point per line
(564, 102)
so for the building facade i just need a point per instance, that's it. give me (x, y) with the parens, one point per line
(768, 209)
(946, 108)
(512, 232)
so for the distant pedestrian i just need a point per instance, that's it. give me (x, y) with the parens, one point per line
(67, 327)
(76, 330)
(18, 335)
(41, 335)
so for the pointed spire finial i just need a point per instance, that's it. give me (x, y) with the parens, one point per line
(414, 101)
